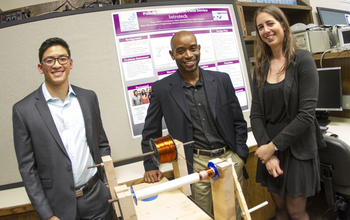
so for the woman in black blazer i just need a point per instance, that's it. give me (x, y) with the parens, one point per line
(285, 92)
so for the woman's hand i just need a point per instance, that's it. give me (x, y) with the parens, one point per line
(264, 152)
(273, 166)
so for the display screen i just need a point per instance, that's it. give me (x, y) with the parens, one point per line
(330, 89)
(346, 37)
(329, 16)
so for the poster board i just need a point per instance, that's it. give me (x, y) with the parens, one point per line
(91, 36)
(143, 37)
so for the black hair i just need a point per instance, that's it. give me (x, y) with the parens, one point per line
(52, 42)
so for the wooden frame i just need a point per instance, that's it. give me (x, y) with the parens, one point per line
(223, 190)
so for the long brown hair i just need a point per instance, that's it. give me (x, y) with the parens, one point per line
(263, 52)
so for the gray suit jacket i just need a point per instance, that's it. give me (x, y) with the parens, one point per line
(302, 134)
(168, 100)
(43, 162)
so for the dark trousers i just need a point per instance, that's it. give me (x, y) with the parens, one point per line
(94, 205)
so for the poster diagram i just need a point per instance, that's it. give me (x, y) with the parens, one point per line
(143, 43)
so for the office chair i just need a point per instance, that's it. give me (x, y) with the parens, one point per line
(335, 174)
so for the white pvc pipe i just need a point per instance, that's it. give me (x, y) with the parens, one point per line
(167, 186)
(258, 207)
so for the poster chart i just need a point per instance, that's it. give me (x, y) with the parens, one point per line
(143, 42)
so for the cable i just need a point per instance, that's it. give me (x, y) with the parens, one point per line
(325, 32)
(64, 4)
(329, 50)
(72, 5)
(324, 215)
(60, 6)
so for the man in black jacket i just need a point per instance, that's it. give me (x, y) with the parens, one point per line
(196, 105)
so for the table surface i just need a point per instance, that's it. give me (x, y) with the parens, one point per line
(340, 127)
(168, 205)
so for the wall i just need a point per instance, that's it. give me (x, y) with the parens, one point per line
(95, 67)
(345, 5)
(6, 5)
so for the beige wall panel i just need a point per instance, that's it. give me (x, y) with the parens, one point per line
(95, 66)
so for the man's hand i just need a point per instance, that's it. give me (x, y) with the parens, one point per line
(264, 152)
(53, 218)
(152, 176)
(273, 166)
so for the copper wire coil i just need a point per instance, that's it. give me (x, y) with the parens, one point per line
(164, 149)
(206, 174)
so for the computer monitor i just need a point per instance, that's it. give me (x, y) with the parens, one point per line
(330, 17)
(330, 97)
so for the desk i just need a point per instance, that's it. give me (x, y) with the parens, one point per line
(168, 205)
(340, 127)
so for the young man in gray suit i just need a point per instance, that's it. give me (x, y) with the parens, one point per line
(58, 133)
(197, 105)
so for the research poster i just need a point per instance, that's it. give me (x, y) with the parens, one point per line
(142, 40)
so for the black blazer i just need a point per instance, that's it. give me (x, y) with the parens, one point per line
(169, 101)
(302, 134)
(43, 162)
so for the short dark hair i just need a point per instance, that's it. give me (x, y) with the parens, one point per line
(52, 42)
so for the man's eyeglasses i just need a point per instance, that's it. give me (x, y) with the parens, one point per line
(50, 61)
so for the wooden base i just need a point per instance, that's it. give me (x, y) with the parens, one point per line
(172, 205)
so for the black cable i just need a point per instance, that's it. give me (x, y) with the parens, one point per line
(64, 4)
(59, 7)
(71, 5)
(324, 215)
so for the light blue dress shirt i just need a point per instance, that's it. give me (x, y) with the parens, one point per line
(69, 122)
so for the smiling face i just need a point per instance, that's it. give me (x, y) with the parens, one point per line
(270, 30)
(186, 52)
(57, 74)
